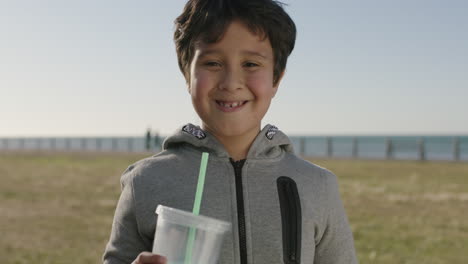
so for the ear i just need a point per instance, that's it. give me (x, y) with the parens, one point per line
(187, 82)
(276, 85)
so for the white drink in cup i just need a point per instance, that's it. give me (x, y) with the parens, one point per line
(185, 238)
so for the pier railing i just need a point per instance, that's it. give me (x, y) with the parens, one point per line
(100, 144)
(397, 147)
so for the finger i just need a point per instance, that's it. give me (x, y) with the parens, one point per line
(157, 259)
(149, 258)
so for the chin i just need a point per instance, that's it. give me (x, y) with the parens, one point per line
(231, 130)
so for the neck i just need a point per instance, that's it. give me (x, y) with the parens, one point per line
(238, 145)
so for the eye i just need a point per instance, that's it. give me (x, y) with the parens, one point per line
(251, 64)
(212, 64)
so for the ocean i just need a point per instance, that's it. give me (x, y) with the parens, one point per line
(366, 147)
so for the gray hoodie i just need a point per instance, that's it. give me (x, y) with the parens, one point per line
(283, 209)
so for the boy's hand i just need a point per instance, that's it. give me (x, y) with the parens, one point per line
(149, 258)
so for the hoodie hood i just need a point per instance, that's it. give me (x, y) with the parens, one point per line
(269, 143)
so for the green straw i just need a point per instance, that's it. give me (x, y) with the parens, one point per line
(196, 206)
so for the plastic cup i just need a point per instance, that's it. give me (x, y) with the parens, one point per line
(174, 241)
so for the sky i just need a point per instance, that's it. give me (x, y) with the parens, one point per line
(109, 68)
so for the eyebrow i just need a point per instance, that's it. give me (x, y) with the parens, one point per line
(246, 52)
(254, 53)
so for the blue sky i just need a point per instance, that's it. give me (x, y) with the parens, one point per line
(109, 68)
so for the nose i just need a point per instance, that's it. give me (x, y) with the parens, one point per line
(231, 80)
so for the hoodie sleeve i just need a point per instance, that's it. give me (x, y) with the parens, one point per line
(125, 241)
(336, 246)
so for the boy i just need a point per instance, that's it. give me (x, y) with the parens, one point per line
(283, 209)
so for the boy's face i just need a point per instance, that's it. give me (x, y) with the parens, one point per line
(231, 82)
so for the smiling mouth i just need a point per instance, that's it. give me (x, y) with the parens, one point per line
(231, 105)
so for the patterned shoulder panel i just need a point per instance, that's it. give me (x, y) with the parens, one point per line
(194, 131)
(271, 132)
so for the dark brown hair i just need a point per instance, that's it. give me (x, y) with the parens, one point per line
(207, 20)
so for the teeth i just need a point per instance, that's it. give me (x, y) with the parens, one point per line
(230, 105)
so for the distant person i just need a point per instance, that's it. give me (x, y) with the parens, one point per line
(148, 140)
(283, 209)
(157, 141)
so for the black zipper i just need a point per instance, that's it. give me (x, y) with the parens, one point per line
(240, 209)
(291, 219)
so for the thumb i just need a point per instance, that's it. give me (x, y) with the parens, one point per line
(149, 258)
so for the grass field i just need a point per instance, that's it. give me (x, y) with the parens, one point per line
(58, 208)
